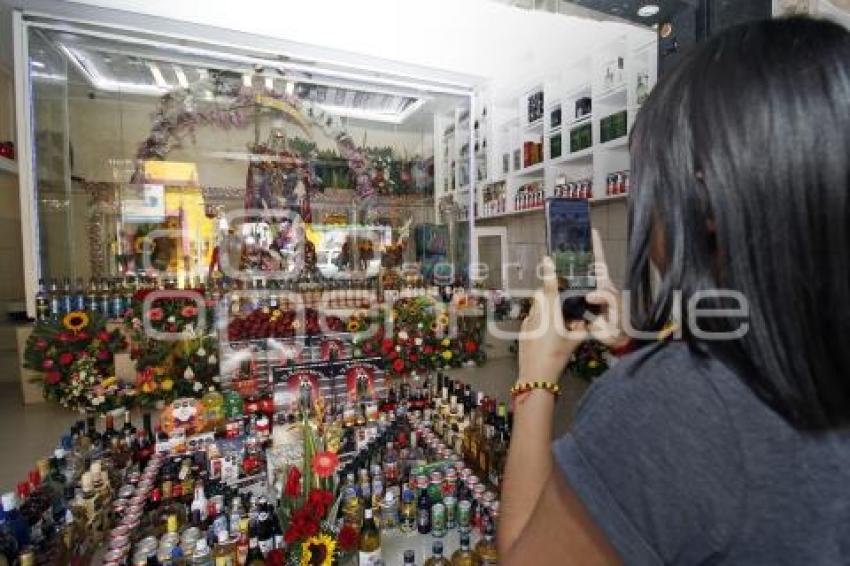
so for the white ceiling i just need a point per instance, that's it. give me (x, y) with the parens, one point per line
(464, 40)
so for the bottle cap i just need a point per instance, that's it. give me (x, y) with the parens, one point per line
(223, 536)
(437, 548)
(367, 513)
(409, 557)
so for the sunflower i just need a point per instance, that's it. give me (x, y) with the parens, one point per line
(75, 321)
(141, 244)
(443, 320)
(318, 551)
(353, 325)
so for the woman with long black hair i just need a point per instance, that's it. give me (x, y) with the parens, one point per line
(729, 445)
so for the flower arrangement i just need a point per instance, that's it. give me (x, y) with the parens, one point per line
(589, 361)
(265, 322)
(166, 368)
(420, 340)
(75, 354)
(88, 391)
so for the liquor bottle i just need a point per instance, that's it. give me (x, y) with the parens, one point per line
(255, 557)
(224, 553)
(55, 300)
(67, 296)
(486, 547)
(8, 543)
(17, 525)
(265, 530)
(116, 300)
(201, 556)
(370, 540)
(214, 405)
(423, 511)
(465, 556)
(79, 295)
(437, 558)
(104, 296)
(198, 508)
(92, 302)
(407, 519)
(42, 302)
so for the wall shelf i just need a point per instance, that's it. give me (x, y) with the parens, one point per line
(620, 143)
(530, 170)
(8, 166)
(615, 96)
(577, 157)
(509, 214)
(609, 198)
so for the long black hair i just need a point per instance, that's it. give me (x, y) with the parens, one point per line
(741, 169)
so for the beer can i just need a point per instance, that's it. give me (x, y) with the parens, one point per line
(114, 558)
(451, 511)
(438, 520)
(464, 516)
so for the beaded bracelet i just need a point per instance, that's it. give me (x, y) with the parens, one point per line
(528, 386)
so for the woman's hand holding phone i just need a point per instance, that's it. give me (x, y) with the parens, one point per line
(606, 327)
(546, 343)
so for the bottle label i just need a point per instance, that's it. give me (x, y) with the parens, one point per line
(266, 545)
(368, 558)
(224, 561)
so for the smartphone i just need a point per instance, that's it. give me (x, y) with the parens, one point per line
(569, 241)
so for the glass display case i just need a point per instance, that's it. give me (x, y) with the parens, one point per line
(189, 163)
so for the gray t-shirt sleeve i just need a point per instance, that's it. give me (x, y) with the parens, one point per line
(656, 462)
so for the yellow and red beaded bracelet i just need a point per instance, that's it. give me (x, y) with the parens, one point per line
(528, 386)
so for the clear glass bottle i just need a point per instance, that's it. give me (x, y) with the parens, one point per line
(370, 541)
(465, 556)
(437, 558)
(486, 547)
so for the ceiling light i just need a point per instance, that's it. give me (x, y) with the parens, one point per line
(37, 64)
(648, 10)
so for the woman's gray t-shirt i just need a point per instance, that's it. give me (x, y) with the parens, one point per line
(678, 462)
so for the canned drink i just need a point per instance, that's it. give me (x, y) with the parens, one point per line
(464, 516)
(451, 512)
(125, 492)
(148, 544)
(119, 542)
(438, 520)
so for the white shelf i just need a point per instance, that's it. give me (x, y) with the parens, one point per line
(583, 155)
(612, 96)
(609, 198)
(582, 120)
(621, 142)
(531, 170)
(510, 213)
(8, 166)
(536, 126)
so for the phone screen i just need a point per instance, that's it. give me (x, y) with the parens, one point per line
(570, 242)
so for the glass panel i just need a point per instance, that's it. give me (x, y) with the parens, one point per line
(158, 160)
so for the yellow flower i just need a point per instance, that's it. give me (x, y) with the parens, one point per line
(149, 387)
(323, 546)
(443, 319)
(353, 326)
(140, 244)
(75, 321)
(109, 381)
(167, 384)
(593, 364)
(447, 355)
(446, 342)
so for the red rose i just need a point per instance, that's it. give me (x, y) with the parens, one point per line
(413, 358)
(347, 538)
(387, 346)
(155, 314)
(470, 347)
(47, 364)
(189, 311)
(82, 336)
(53, 377)
(427, 349)
(293, 483)
(103, 355)
(40, 344)
(66, 358)
(103, 336)
(398, 365)
(64, 337)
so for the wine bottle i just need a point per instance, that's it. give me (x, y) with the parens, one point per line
(370, 540)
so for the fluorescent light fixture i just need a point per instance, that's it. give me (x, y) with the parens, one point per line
(373, 115)
(246, 80)
(181, 76)
(102, 83)
(157, 75)
(269, 83)
(37, 64)
(648, 10)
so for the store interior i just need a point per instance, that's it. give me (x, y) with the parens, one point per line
(181, 180)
